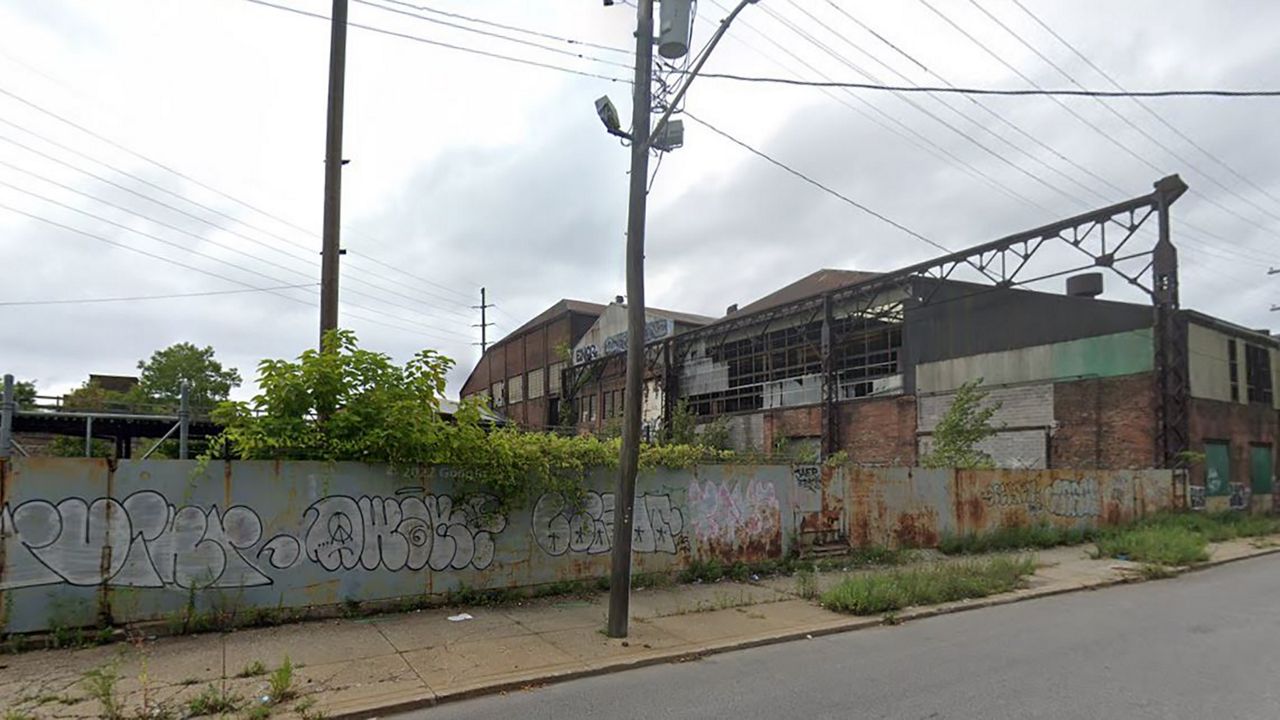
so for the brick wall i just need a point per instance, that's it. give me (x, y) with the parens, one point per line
(791, 423)
(1241, 424)
(1105, 422)
(879, 431)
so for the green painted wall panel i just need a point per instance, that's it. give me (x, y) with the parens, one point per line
(1260, 469)
(1217, 465)
(1106, 355)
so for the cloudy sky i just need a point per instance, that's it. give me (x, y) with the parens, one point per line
(202, 130)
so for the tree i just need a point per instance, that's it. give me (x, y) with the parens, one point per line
(24, 394)
(966, 424)
(161, 377)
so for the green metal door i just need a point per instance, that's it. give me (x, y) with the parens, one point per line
(1260, 469)
(1217, 468)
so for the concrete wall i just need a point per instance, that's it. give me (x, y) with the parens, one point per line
(916, 507)
(82, 543)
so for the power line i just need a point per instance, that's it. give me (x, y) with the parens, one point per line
(902, 130)
(450, 46)
(203, 271)
(513, 28)
(1016, 92)
(499, 36)
(815, 183)
(1160, 118)
(135, 298)
(850, 64)
(173, 208)
(1000, 117)
(183, 248)
(185, 177)
(1138, 129)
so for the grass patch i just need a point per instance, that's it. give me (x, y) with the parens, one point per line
(1215, 527)
(896, 589)
(1169, 545)
(1029, 537)
(212, 701)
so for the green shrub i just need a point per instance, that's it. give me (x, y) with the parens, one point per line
(896, 589)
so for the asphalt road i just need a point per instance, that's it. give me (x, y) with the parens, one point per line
(1205, 645)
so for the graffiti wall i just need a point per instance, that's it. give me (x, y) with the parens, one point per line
(81, 542)
(914, 506)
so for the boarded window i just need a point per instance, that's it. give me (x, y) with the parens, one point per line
(535, 384)
(553, 380)
(1233, 369)
(1260, 469)
(1217, 468)
(609, 399)
(1257, 373)
(498, 394)
(515, 389)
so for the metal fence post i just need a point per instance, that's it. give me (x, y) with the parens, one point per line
(88, 436)
(6, 418)
(184, 419)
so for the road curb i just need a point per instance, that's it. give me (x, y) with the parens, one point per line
(852, 625)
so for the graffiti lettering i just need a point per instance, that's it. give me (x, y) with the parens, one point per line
(412, 532)
(142, 542)
(1014, 494)
(145, 541)
(807, 477)
(1240, 496)
(733, 515)
(1074, 498)
(1195, 497)
(560, 526)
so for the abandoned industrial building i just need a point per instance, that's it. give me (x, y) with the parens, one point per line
(868, 362)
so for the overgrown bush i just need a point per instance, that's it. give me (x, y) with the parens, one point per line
(345, 403)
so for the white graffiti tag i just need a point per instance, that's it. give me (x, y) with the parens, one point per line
(394, 533)
(141, 542)
(561, 527)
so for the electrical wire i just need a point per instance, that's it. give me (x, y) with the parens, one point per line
(902, 130)
(450, 46)
(512, 28)
(183, 212)
(135, 298)
(835, 193)
(183, 176)
(1014, 92)
(918, 106)
(1139, 130)
(1158, 117)
(500, 36)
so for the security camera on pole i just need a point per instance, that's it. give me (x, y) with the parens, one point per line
(673, 42)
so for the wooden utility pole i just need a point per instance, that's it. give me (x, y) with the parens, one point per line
(333, 171)
(624, 497)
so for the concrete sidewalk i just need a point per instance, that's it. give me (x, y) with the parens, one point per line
(362, 667)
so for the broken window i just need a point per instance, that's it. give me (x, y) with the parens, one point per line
(1257, 373)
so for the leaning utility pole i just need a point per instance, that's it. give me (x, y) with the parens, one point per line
(333, 171)
(620, 577)
(484, 324)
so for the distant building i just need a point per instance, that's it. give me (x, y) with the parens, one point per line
(868, 363)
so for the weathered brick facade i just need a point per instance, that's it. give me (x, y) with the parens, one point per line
(1105, 422)
(879, 431)
(1242, 425)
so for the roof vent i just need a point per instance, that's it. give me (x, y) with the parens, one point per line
(619, 299)
(731, 309)
(1085, 285)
